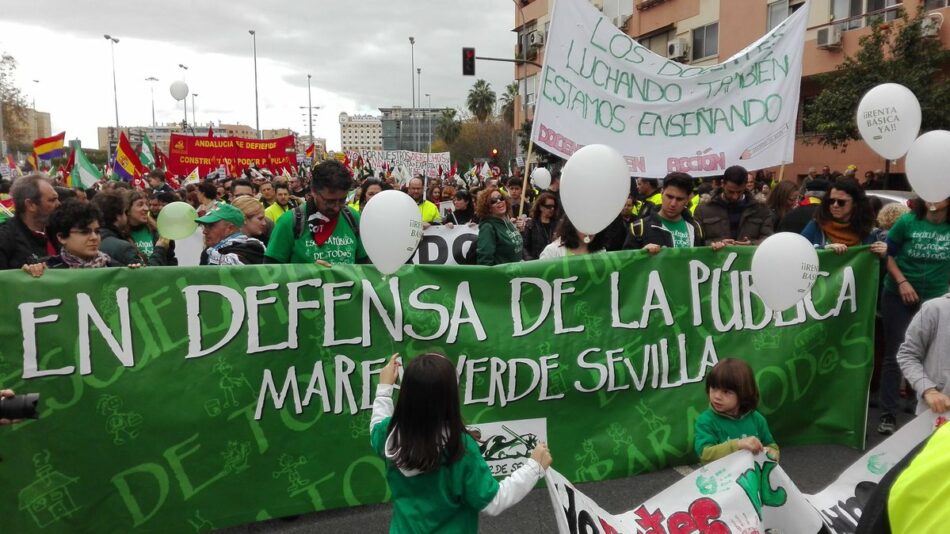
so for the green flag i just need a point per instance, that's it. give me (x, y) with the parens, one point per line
(147, 153)
(84, 173)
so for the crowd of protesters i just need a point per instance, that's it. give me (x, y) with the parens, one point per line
(259, 218)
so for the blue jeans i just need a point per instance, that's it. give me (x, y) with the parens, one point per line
(896, 317)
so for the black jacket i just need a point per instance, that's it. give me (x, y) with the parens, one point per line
(650, 231)
(536, 236)
(19, 245)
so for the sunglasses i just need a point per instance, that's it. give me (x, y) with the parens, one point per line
(495, 200)
(842, 202)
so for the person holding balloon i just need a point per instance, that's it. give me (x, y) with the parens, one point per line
(918, 268)
(143, 234)
(844, 219)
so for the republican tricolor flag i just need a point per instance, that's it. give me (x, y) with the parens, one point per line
(50, 147)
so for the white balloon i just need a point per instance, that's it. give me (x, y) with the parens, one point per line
(927, 163)
(784, 267)
(889, 119)
(595, 183)
(179, 90)
(390, 229)
(541, 178)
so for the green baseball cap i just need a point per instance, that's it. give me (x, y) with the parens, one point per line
(223, 212)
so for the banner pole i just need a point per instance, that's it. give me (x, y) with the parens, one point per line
(524, 181)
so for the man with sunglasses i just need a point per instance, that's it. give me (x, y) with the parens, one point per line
(324, 230)
(732, 216)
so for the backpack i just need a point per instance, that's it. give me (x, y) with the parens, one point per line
(311, 207)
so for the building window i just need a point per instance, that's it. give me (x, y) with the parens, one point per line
(706, 41)
(853, 9)
(781, 10)
(657, 42)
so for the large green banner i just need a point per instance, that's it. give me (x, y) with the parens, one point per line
(180, 399)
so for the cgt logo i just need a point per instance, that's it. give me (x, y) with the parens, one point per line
(179, 145)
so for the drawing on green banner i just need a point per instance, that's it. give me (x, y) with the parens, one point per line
(236, 456)
(120, 425)
(48, 499)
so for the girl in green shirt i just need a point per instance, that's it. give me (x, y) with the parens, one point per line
(438, 478)
(732, 423)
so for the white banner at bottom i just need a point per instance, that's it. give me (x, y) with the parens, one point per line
(740, 493)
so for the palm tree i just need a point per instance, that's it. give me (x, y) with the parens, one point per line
(508, 101)
(481, 100)
(448, 127)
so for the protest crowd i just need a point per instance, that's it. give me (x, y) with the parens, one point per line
(313, 216)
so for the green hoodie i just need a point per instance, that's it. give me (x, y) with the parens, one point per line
(717, 435)
(498, 242)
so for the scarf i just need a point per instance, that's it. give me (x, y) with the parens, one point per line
(322, 227)
(75, 262)
(842, 233)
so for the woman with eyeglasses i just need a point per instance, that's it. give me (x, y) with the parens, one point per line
(75, 227)
(498, 238)
(843, 220)
(782, 200)
(539, 231)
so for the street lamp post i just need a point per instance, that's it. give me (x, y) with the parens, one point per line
(412, 55)
(35, 89)
(429, 151)
(419, 75)
(257, 114)
(184, 69)
(151, 89)
(310, 108)
(115, 94)
(194, 112)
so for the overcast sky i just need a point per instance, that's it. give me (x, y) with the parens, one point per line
(357, 51)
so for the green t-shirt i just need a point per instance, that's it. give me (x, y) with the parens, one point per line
(342, 247)
(923, 255)
(680, 232)
(446, 500)
(715, 429)
(143, 240)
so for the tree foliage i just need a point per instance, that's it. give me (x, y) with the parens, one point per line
(449, 126)
(543, 155)
(481, 100)
(13, 106)
(476, 139)
(893, 52)
(508, 101)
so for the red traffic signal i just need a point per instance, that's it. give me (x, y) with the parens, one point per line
(494, 152)
(468, 62)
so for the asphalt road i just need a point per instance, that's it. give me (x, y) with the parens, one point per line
(811, 467)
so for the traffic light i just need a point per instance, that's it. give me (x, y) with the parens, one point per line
(468, 62)
(494, 152)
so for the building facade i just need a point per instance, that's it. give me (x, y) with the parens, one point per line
(159, 135)
(408, 129)
(361, 132)
(35, 124)
(706, 32)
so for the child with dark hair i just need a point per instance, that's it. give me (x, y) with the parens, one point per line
(438, 478)
(731, 422)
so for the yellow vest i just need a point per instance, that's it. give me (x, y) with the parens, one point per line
(430, 212)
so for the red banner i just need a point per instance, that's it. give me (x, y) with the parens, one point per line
(185, 152)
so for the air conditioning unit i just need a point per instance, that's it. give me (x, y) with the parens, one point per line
(536, 39)
(930, 25)
(829, 37)
(677, 48)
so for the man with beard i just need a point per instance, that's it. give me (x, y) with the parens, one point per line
(429, 211)
(732, 216)
(23, 238)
